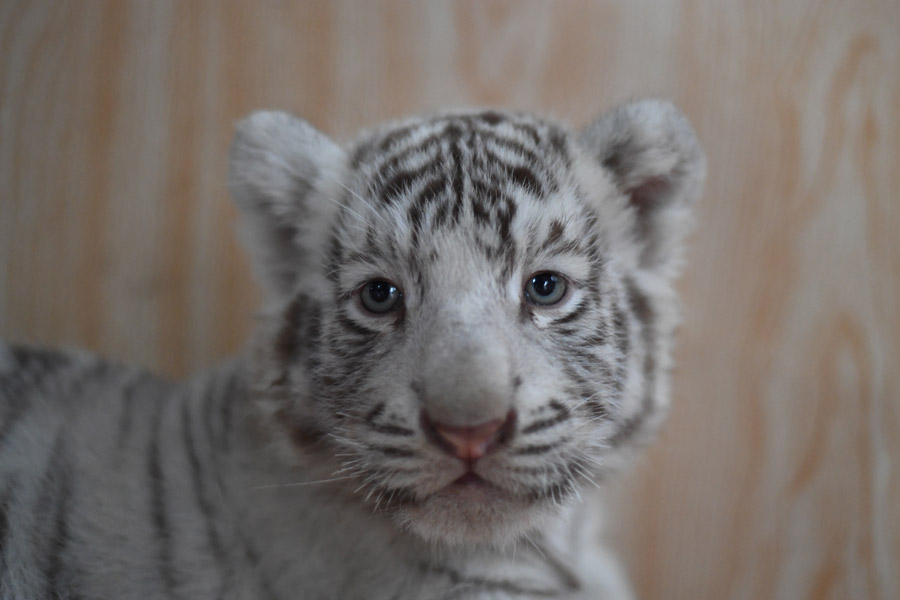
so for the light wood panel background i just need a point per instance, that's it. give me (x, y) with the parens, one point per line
(777, 475)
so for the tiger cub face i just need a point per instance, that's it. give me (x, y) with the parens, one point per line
(469, 313)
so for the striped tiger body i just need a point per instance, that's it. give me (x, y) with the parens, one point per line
(467, 325)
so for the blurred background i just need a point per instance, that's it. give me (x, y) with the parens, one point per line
(778, 473)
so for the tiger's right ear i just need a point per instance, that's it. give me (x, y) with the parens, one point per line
(278, 164)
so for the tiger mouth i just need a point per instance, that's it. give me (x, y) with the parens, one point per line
(469, 478)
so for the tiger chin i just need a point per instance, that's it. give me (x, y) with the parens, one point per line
(467, 326)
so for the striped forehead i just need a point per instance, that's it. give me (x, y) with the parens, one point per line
(460, 155)
(471, 168)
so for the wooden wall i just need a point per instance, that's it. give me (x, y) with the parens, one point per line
(777, 475)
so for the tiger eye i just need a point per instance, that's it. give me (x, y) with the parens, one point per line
(379, 296)
(545, 289)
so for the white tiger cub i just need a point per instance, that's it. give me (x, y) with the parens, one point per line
(467, 325)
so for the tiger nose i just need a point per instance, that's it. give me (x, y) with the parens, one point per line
(469, 443)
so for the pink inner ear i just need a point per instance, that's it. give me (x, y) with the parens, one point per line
(650, 194)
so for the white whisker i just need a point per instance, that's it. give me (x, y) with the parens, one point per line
(534, 545)
(302, 483)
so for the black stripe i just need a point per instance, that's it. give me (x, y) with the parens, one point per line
(442, 214)
(18, 391)
(351, 326)
(506, 214)
(620, 325)
(539, 448)
(414, 215)
(18, 388)
(531, 132)
(335, 255)
(584, 356)
(577, 248)
(355, 356)
(53, 506)
(576, 313)
(226, 408)
(360, 154)
(363, 256)
(312, 334)
(532, 160)
(18, 407)
(641, 308)
(467, 585)
(59, 542)
(561, 414)
(373, 244)
(557, 229)
(390, 429)
(459, 178)
(287, 339)
(598, 338)
(386, 428)
(6, 502)
(558, 143)
(199, 484)
(521, 175)
(482, 201)
(431, 191)
(525, 178)
(399, 184)
(40, 360)
(489, 198)
(578, 378)
(492, 117)
(129, 392)
(158, 513)
(597, 410)
(423, 148)
(402, 182)
(528, 155)
(207, 408)
(393, 452)
(398, 135)
(598, 261)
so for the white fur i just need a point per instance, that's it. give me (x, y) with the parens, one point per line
(274, 477)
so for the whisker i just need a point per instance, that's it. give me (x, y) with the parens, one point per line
(536, 547)
(343, 206)
(301, 483)
(364, 202)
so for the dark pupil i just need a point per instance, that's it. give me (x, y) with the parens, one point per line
(380, 291)
(544, 284)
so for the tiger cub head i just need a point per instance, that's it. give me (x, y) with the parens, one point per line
(468, 314)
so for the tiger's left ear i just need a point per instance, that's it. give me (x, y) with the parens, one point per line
(653, 157)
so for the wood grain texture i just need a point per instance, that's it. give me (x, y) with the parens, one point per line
(777, 475)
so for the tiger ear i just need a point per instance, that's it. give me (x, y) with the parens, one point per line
(653, 157)
(278, 164)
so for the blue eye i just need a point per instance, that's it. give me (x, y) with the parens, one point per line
(545, 289)
(379, 296)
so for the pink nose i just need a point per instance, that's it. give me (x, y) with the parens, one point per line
(469, 443)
